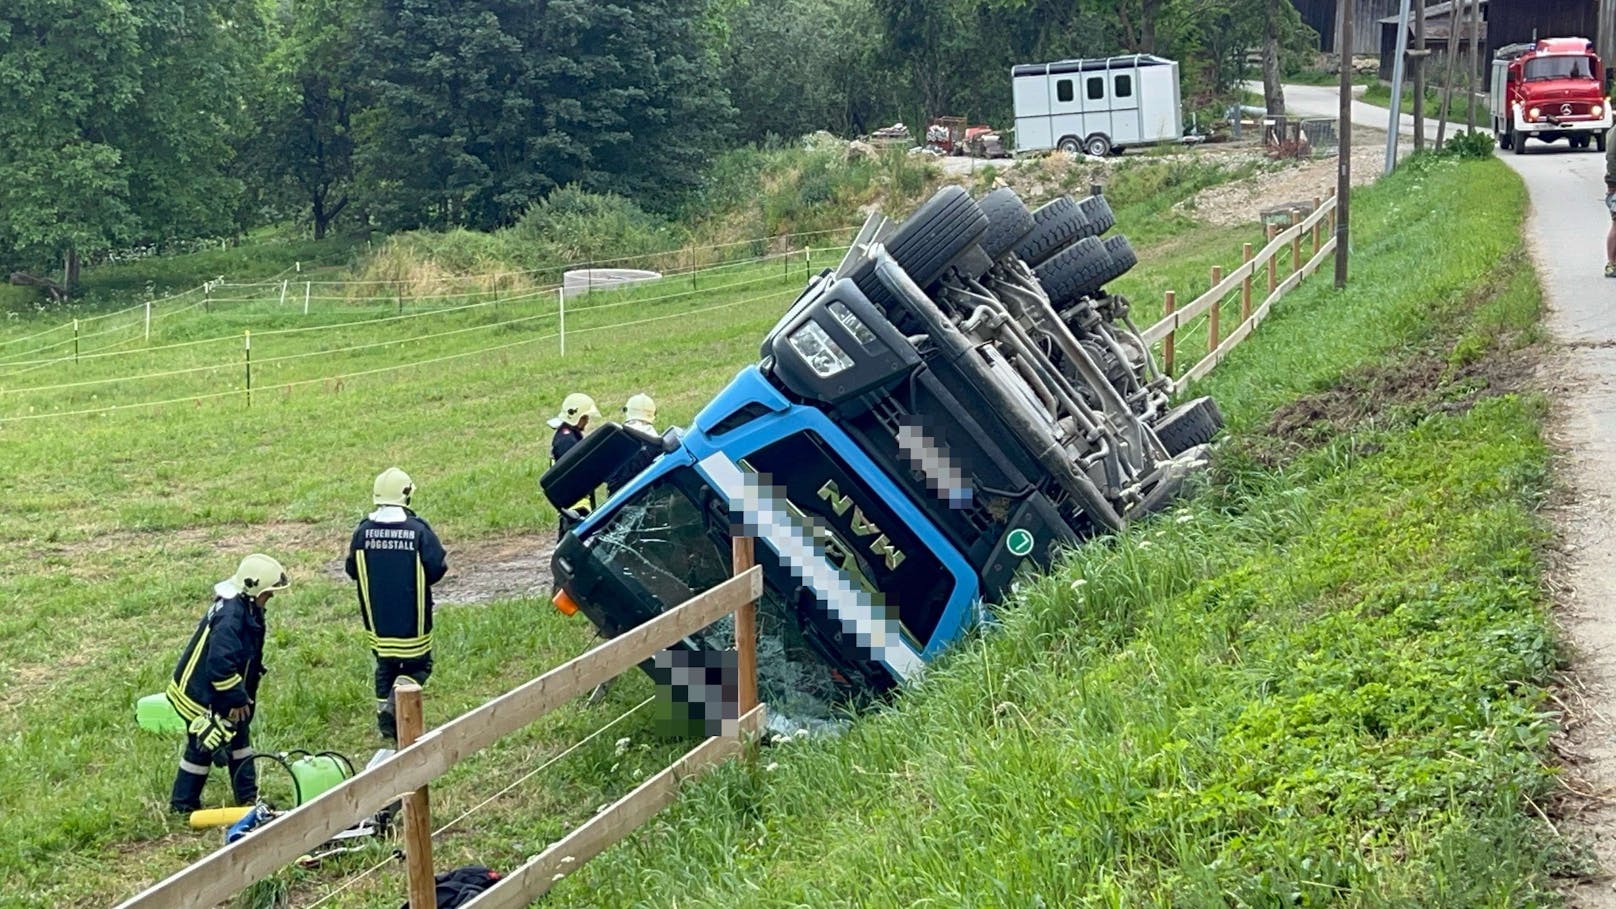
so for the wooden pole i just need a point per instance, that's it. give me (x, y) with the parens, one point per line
(1167, 342)
(1418, 64)
(423, 889)
(1475, 63)
(1317, 202)
(1447, 72)
(1273, 277)
(1344, 155)
(1245, 286)
(1212, 314)
(743, 557)
(1296, 242)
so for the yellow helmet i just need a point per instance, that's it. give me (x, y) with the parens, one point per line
(576, 406)
(639, 409)
(393, 487)
(258, 573)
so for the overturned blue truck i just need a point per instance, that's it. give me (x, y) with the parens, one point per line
(959, 398)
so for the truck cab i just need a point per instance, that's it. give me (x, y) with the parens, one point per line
(925, 420)
(1549, 90)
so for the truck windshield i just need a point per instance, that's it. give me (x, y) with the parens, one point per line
(1562, 67)
(672, 541)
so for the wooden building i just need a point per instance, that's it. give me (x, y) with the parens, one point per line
(1321, 16)
(1504, 22)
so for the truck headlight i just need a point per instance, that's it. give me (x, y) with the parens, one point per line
(1598, 111)
(822, 354)
(1532, 113)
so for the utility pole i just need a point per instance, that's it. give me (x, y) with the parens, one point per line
(1475, 62)
(1396, 119)
(1418, 61)
(1447, 76)
(1343, 186)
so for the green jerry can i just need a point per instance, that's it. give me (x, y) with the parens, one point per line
(154, 713)
(313, 774)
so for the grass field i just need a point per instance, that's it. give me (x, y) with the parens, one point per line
(119, 521)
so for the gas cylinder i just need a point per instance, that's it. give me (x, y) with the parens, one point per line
(313, 774)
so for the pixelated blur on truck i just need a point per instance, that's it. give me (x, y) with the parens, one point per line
(955, 401)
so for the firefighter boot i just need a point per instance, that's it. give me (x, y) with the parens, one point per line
(387, 720)
(186, 796)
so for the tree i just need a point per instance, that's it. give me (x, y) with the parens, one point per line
(475, 110)
(1273, 91)
(116, 121)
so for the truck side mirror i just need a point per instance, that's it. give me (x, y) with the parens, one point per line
(590, 462)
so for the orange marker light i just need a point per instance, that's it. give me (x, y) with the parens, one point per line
(564, 603)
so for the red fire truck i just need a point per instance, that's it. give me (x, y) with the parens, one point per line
(1548, 90)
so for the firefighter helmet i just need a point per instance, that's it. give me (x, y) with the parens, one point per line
(259, 573)
(393, 487)
(577, 406)
(640, 409)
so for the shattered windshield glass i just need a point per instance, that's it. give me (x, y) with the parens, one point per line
(668, 549)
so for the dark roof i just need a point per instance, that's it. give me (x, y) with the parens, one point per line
(1095, 63)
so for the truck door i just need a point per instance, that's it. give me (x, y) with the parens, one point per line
(1096, 104)
(1033, 113)
(1065, 106)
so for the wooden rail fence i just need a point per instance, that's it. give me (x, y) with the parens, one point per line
(423, 759)
(1281, 243)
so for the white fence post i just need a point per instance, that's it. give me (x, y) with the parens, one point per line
(148, 320)
(561, 294)
(283, 293)
(306, 286)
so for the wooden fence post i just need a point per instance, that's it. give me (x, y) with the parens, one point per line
(743, 557)
(1167, 342)
(1212, 314)
(423, 889)
(1245, 286)
(1296, 242)
(1334, 208)
(1273, 279)
(1316, 203)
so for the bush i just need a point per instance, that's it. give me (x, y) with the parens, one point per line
(573, 225)
(1475, 144)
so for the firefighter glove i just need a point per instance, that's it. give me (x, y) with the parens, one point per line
(212, 731)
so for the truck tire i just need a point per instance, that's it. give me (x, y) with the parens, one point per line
(1519, 145)
(1055, 226)
(1098, 145)
(1504, 137)
(1008, 221)
(1077, 271)
(1599, 142)
(1188, 425)
(928, 242)
(1123, 258)
(1097, 211)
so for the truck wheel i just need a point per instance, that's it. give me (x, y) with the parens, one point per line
(1078, 270)
(1070, 145)
(928, 241)
(1008, 221)
(1579, 142)
(1098, 145)
(1055, 226)
(1123, 258)
(1519, 144)
(1599, 142)
(1188, 425)
(1097, 210)
(1505, 138)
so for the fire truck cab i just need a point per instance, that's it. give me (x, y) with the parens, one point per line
(1548, 90)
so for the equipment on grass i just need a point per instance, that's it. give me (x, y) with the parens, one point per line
(154, 713)
(257, 815)
(312, 773)
(204, 818)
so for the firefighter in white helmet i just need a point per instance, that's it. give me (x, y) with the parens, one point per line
(394, 559)
(571, 423)
(215, 683)
(639, 415)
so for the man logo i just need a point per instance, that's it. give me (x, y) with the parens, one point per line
(862, 525)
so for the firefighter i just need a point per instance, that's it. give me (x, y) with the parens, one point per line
(639, 415)
(571, 423)
(394, 559)
(215, 683)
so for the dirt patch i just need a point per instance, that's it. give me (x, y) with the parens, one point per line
(1239, 203)
(482, 571)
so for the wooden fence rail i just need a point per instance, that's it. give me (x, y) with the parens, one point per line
(253, 858)
(1280, 243)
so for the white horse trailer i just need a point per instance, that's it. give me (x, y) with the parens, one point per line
(1099, 106)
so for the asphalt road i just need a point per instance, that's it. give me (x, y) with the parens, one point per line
(1565, 235)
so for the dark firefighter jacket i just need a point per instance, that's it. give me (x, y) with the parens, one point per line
(224, 660)
(396, 558)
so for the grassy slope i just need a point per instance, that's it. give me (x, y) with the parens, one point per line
(116, 525)
(1321, 682)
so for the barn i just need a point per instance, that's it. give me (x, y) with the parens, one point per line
(1321, 16)
(1505, 22)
